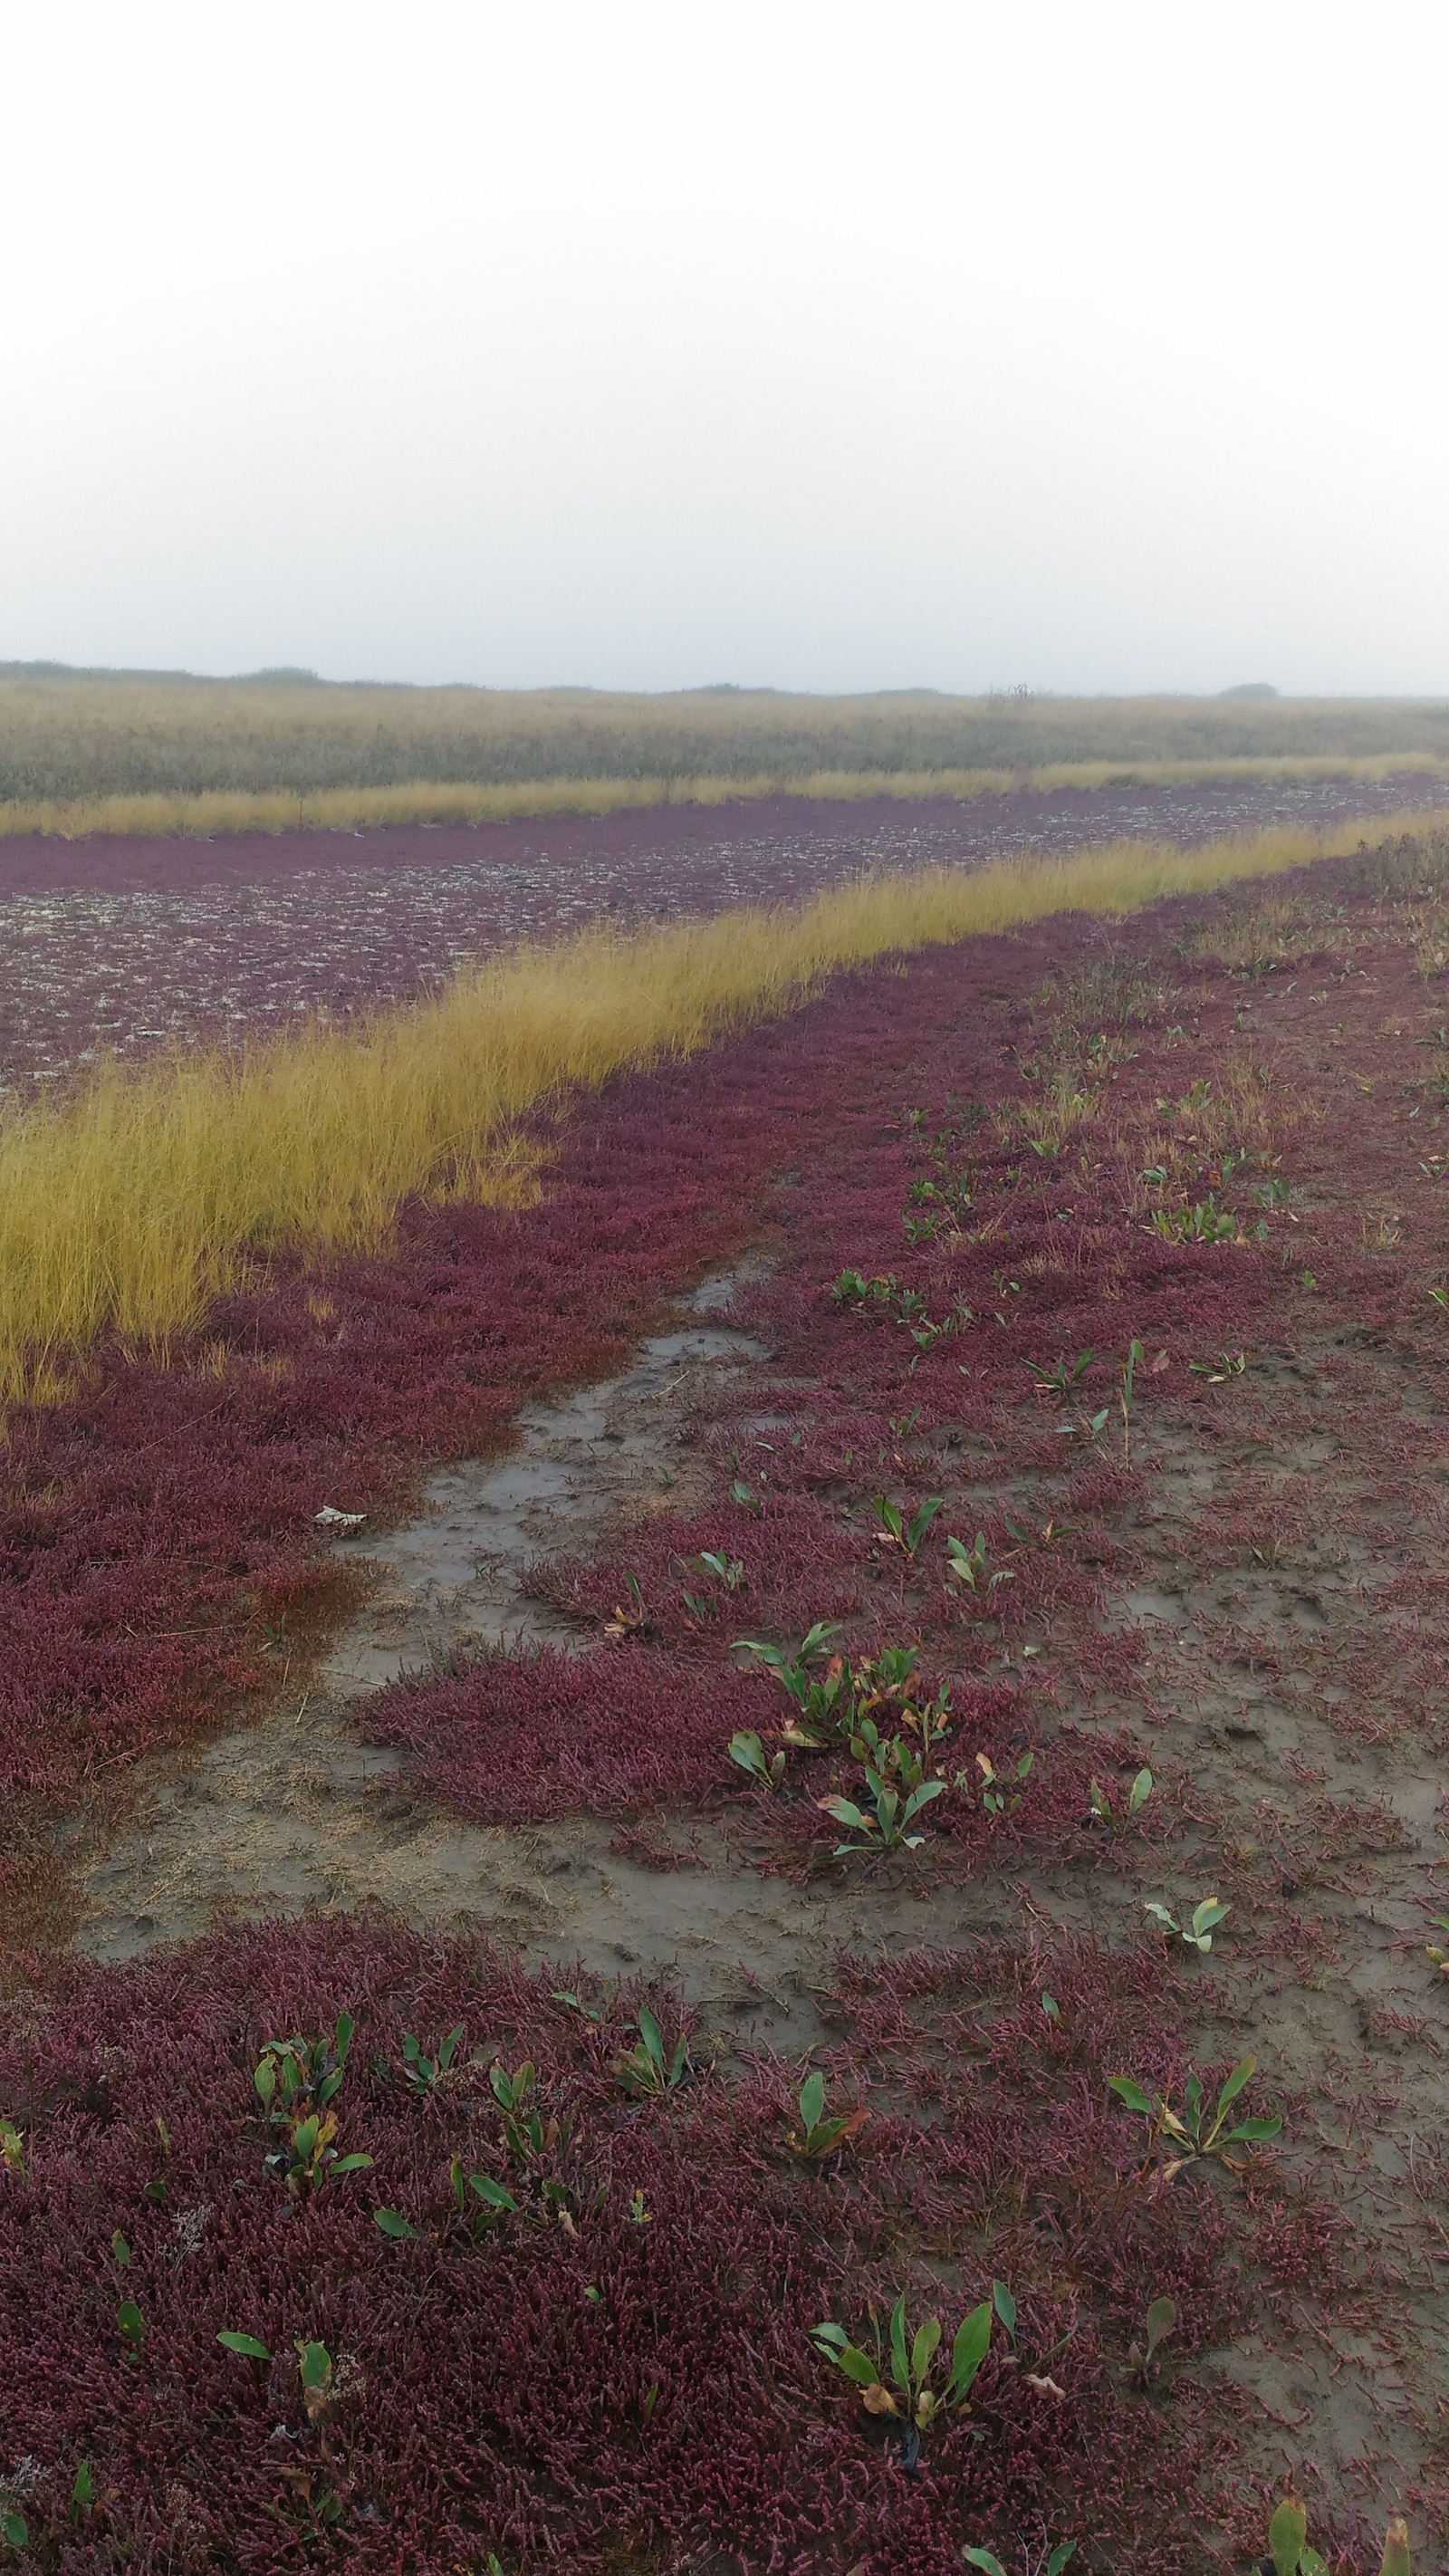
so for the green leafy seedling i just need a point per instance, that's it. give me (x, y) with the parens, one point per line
(131, 2326)
(992, 2566)
(1159, 2323)
(391, 2222)
(82, 2494)
(885, 1825)
(1198, 2131)
(911, 2398)
(791, 1671)
(646, 2071)
(1104, 1812)
(314, 2368)
(297, 2075)
(1060, 1383)
(14, 2530)
(747, 1750)
(1198, 1931)
(971, 1566)
(819, 2136)
(727, 1569)
(425, 2073)
(903, 1533)
(246, 2347)
(12, 2149)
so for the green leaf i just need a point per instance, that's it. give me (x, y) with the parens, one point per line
(1140, 1792)
(1207, 1916)
(83, 2493)
(1128, 2090)
(858, 2366)
(343, 2041)
(831, 2338)
(393, 2223)
(844, 1813)
(984, 2559)
(1161, 2319)
(245, 2345)
(1286, 2534)
(350, 2164)
(491, 2192)
(652, 2036)
(1064, 2550)
(131, 2323)
(900, 2370)
(1005, 2306)
(1245, 2069)
(923, 2349)
(315, 2364)
(1249, 2132)
(14, 2529)
(812, 2101)
(120, 2249)
(265, 2079)
(973, 2336)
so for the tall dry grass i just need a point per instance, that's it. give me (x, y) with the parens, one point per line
(72, 744)
(422, 800)
(126, 1207)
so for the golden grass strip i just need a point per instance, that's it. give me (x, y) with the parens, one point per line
(348, 809)
(127, 1206)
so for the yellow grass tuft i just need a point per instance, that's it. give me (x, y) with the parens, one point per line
(186, 816)
(127, 1206)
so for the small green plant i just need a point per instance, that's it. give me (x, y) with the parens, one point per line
(728, 1570)
(1049, 2563)
(999, 1793)
(1439, 1957)
(791, 1671)
(1130, 1366)
(1159, 2322)
(12, 2149)
(897, 1792)
(14, 2529)
(896, 1530)
(646, 2071)
(247, 2347)
(1198, 2131)
(314, 2369)
(817, 2135)
(82, 2494)
(1289, 2553)
(1117, 1819)
(640, 2214)
(912, 2398)
(296, 2075)
(1228, 1364)
(1198, 1930)
(497, 2202)
(308, 2159)
(971, 1566)
(891, 1680)
(767, 1768)
(131, 2327)
(1060, 1384)
(422, 2073)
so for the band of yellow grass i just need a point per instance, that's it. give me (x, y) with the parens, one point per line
(126, 1207)
(352, 809)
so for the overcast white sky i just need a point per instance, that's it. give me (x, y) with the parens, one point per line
(1098, 347)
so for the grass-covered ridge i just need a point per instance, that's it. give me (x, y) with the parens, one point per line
(128, 1206)
(131, 752)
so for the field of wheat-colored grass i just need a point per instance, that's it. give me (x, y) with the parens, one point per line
(125, 1207)
(83, 752)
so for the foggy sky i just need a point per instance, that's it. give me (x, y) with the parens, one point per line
(829, 346)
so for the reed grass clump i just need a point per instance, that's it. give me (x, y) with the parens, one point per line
(127, 1206)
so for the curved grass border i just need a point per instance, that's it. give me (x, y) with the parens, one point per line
(128, 1206)
(164, 815)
